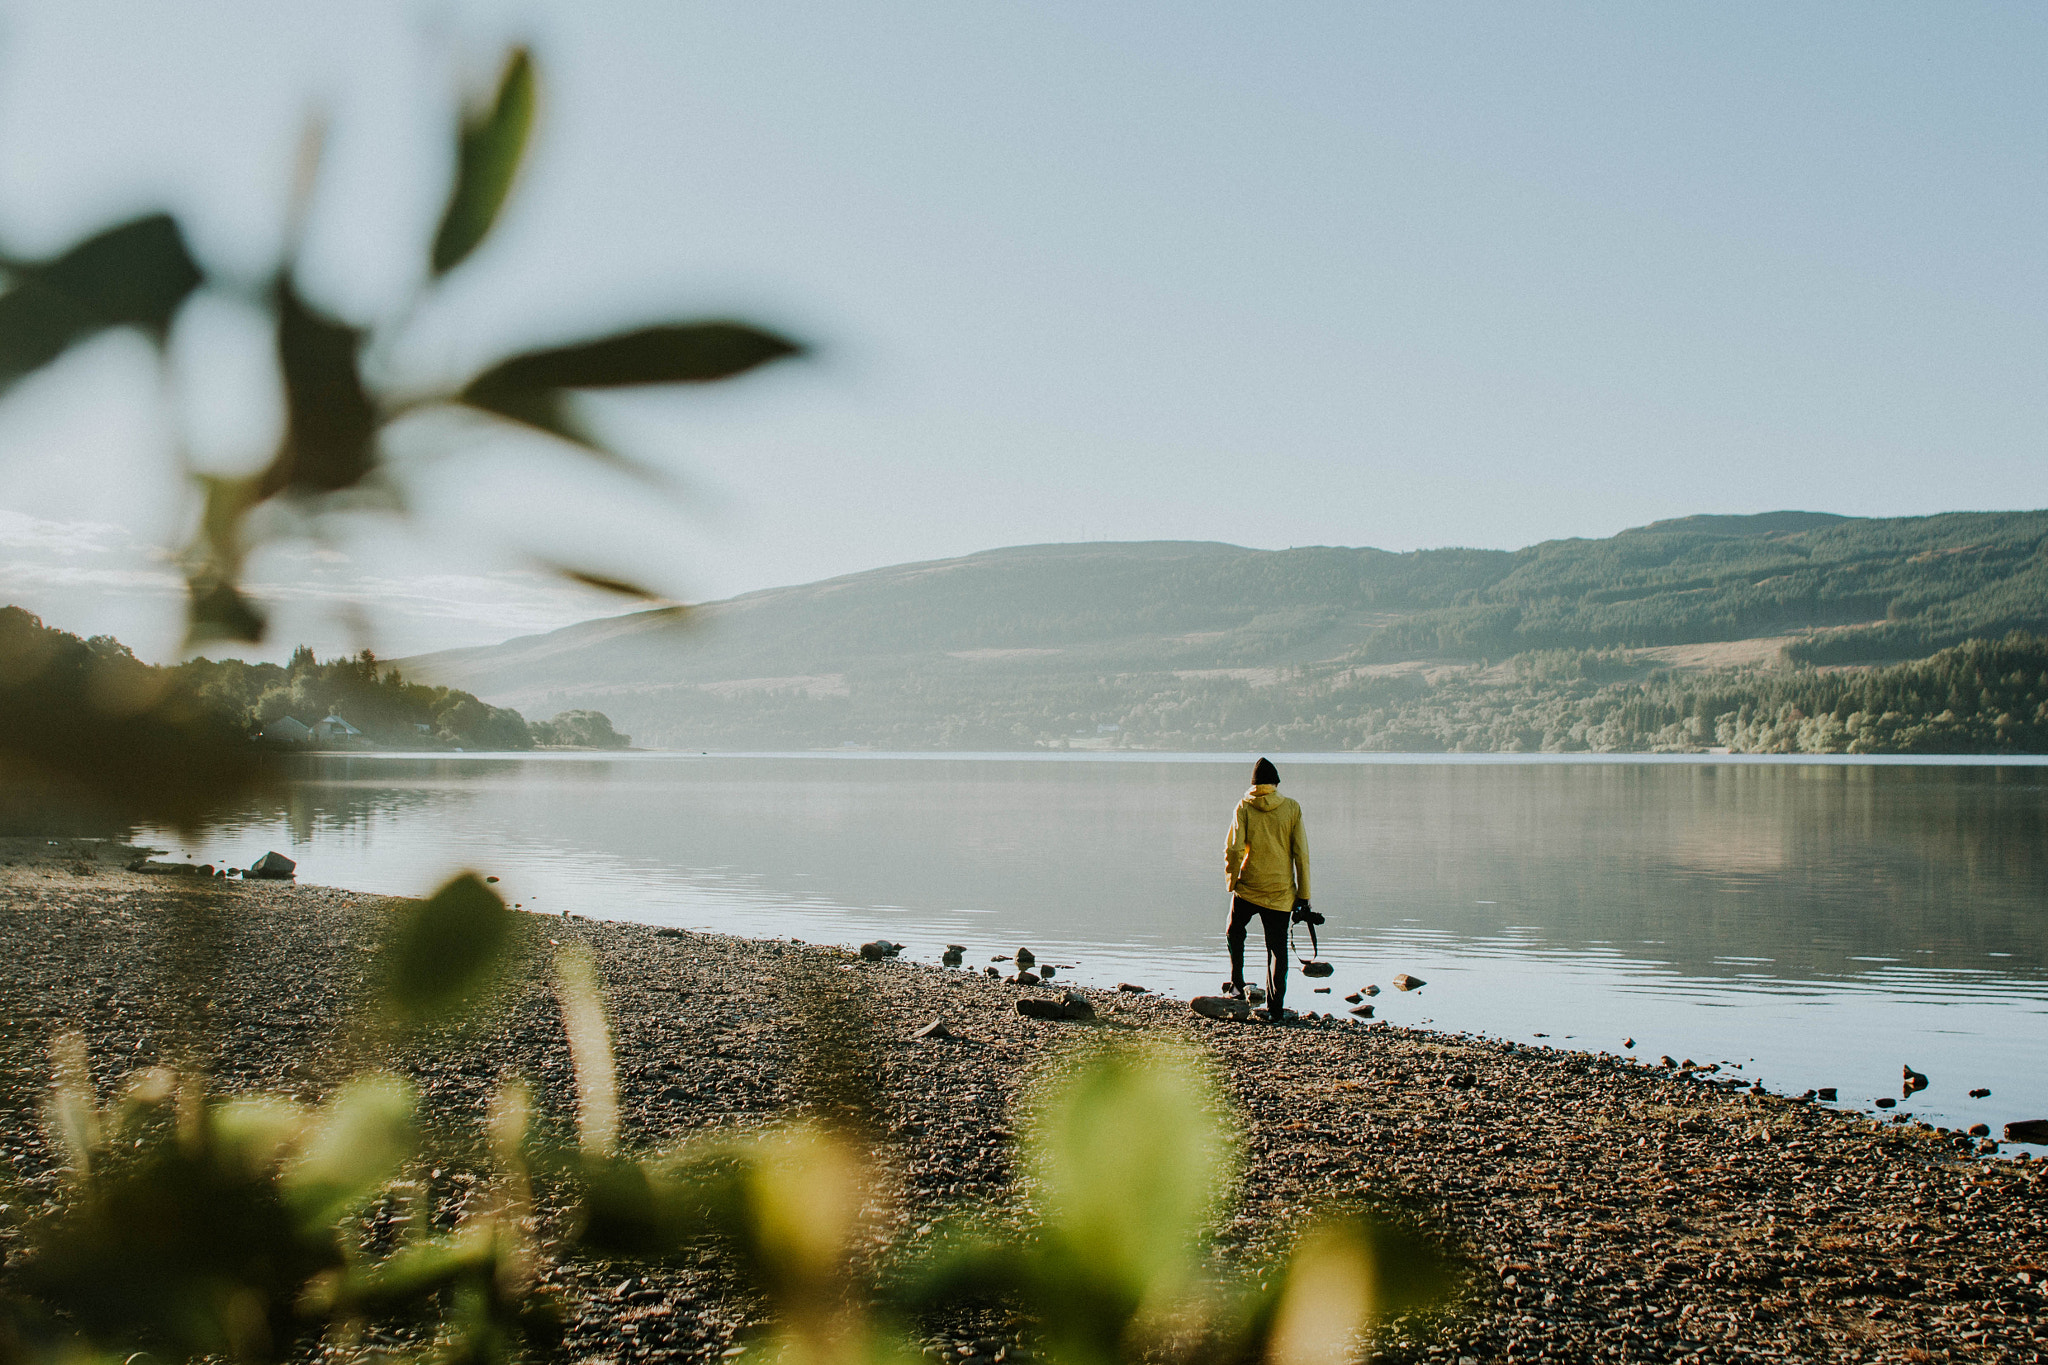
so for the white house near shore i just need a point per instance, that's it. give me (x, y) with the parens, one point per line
(334, 727)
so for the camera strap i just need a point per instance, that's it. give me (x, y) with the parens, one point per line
(1314, 949)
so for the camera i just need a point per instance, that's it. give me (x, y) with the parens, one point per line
(1304, 914)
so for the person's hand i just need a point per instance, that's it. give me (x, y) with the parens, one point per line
(1302, 909)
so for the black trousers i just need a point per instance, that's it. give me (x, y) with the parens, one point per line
(1274, 922)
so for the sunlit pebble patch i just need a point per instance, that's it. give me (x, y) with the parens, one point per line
(1606, 1210)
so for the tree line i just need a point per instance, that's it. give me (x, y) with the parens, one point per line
(1983, 696)
(49, 672)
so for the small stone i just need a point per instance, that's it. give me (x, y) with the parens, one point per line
(1254, 995)
(1128, 989)
(1353, 998)
(876, 951)
(954, 955)
(1913, 1079)
(1220, 1007)
(668, 933)
(936, 1029)
(993, 974)
(1979, 1093)
(1826, 1094)
(1045, 972)
(2034, 1131)
(1885, 1101)
(1025, 979)
(273, 865)
(1980, 1130)
(1405, 982)
(1322, 990)
(1372, 990)
(491, 879)
(1078, 1006)
(1362, 1011)
(1026, 958)
(1628, 1042)
(1036, 1007)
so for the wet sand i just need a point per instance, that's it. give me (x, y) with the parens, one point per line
(1605, 1210)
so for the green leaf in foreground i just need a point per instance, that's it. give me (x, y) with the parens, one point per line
(352, 1147)
(1131, 1158)
(330, 421)
(447, 948)
(488, 150)
(137, 274)
(534, 388)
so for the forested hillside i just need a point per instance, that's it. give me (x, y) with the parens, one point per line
(1206, 645)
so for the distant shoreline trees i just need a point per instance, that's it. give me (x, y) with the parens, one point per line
(228, 700)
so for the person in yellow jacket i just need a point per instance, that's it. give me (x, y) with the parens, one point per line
(1265, 863)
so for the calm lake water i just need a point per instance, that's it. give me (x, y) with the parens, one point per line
(1815, 923)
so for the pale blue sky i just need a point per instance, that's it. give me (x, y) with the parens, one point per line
(1398, 275)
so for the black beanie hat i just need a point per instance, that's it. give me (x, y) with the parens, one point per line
(1264, 774)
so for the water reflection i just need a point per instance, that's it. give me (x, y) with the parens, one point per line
(1812, 915)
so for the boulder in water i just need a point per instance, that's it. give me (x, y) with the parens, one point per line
(1405, 982)
(2033, 1131)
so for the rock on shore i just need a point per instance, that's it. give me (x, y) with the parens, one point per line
(1607, 1210)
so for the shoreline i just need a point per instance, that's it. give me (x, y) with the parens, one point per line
(1474, 757)
(1606, 1210)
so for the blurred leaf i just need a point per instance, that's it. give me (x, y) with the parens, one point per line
(488, 151)
(216, 608)
(252, 1134)
(421, 1267)
(1130, 1158)
(357, 1143)
(604, 584)
(1411, 1271)
(674, 353)
(178, 1238)
(534, 388)
(581, 998)
(445, 950)
(133, 275)
(1326, 1303)
(805, 1193)
(330, 422)
(218, 611)
(655, 1207)
(71, 1113)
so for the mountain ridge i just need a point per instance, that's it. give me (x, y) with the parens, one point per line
(1019, 644)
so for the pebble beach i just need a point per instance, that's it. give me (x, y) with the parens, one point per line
(1599, 1208)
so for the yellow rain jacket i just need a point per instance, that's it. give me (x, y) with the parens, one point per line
(1265, 859)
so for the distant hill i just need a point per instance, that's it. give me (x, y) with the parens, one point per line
(1199, 644)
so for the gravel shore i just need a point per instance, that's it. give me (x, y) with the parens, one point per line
(1604, 1209)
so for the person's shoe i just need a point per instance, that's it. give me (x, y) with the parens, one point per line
(1271, 1016)
(1235, 988)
